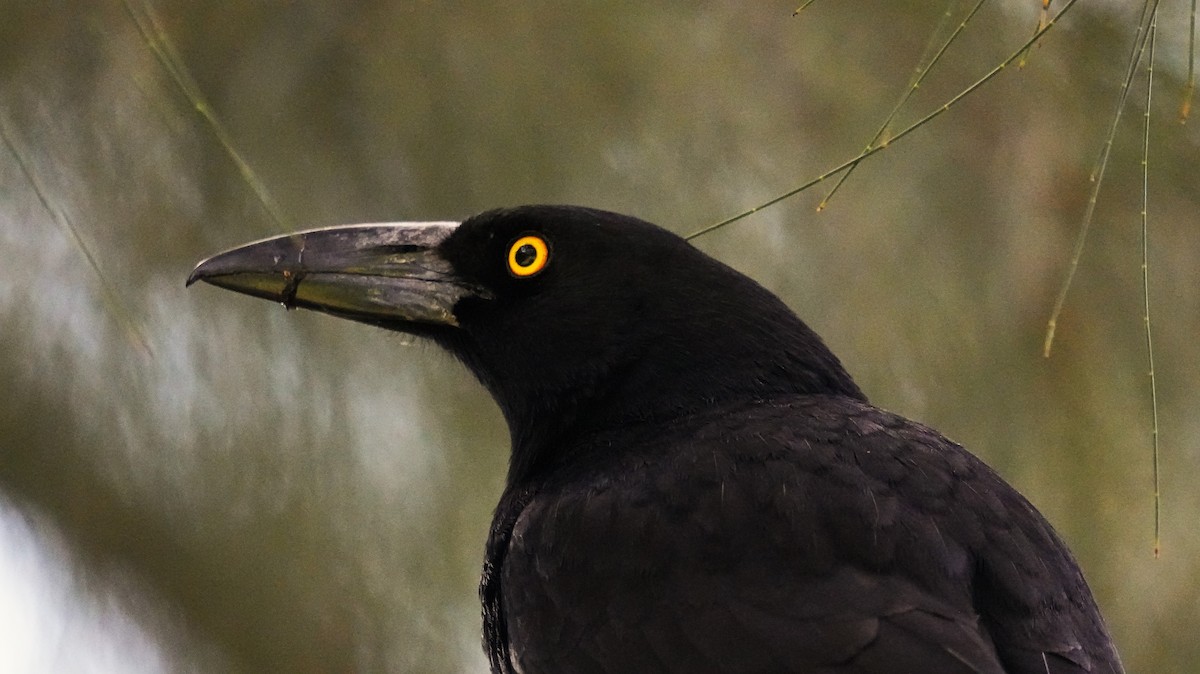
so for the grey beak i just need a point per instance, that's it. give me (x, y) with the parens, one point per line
(377, 273)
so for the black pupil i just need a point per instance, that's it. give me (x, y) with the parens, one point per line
(526, 254)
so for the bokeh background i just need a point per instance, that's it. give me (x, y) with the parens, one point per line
(192, 480)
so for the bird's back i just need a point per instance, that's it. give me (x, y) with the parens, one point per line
(799, 534)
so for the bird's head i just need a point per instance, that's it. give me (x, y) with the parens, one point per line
(574, 319)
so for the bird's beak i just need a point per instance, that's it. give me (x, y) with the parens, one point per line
(387, 273)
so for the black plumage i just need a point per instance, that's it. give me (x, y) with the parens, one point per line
(696, 484)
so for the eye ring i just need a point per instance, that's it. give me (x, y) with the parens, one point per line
(528, 255)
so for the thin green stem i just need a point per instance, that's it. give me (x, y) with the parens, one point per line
(803, 7)
(107, 292)
(1097, 177)
(913, 127)
(913, 86)
(1185, 108)
(1045, 12)
(1146, 283)
(160, 43)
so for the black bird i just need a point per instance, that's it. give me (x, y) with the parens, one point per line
(696, 484)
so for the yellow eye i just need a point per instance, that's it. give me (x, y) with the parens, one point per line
(527, 255)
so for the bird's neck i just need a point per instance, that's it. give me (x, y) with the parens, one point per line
(552, 423)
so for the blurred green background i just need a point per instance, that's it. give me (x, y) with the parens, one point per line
(196, 481)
